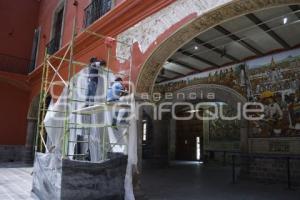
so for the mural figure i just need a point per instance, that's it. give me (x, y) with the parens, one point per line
(272, 121)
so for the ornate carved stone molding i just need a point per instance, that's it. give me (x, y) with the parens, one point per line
(236, 8)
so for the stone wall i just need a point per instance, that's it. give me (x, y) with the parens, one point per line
(69, 179)
(158, 148)
(271, 170)
(268, 160)
(14, 153)
(84, 180)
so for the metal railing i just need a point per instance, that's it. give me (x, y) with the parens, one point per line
(238, 160)
(95, 10)
(92, 12)
(13, 64)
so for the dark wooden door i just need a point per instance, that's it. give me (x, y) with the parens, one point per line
(186, 148)
(187, 133)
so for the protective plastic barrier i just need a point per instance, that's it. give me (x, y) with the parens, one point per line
(82, 131)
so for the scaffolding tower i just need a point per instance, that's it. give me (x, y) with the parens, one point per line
(78, 118)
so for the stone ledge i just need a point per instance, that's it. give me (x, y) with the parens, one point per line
(14, 153)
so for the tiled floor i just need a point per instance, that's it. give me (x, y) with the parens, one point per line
(15, 181)
(188, 181)
(182, 181)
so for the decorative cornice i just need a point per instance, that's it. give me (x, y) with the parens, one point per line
(16, 80)
(120, 18)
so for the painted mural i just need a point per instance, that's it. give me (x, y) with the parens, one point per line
(272, 80)
(217, 127)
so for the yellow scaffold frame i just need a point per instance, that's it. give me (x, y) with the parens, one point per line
(48, 81)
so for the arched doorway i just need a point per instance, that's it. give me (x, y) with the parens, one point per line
(32, 123)
(181, 42)
(224, 98)
(165, 132)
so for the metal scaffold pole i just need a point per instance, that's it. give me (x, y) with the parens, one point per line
(71, 72)
(39, 140)
(77, 120)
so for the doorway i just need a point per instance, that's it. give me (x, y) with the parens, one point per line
(189, 140)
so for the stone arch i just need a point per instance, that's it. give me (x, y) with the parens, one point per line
(32, 121)
(222, 93)
(200, 92)
(225, 93)
(33, 108)
(151, 67)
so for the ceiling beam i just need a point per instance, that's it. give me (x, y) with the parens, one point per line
(238, 39)
(186, 53)
(244, 60)
(174, 72)
(183, 64)
(295, 8)
(163, 77)
(215, 49)
(268, 30)
(160, 81)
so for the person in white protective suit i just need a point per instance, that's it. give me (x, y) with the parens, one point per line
(93, 71)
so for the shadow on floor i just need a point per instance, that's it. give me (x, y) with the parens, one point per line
(194, 181)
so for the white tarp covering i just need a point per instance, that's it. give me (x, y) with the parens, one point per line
(88, 127)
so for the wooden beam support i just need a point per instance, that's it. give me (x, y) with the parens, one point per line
(216, 50)
(268, 30)
(238, 39)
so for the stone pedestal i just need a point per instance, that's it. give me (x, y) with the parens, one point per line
(78, 180)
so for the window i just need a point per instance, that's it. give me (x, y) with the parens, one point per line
(35, 47)
(144, 130)
(57, 28)
(198, 150)
(95, 10)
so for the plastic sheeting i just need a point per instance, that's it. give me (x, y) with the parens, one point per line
(90, 128)
(47, 176)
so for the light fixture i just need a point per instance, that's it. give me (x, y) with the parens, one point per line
(285, 20)
(196, 47)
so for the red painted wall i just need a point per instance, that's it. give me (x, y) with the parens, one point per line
(18, 19)
(45, 17)
(13, 115)
(111, 25)
(14, 106)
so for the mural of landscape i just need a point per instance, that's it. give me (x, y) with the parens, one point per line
(272, 80)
